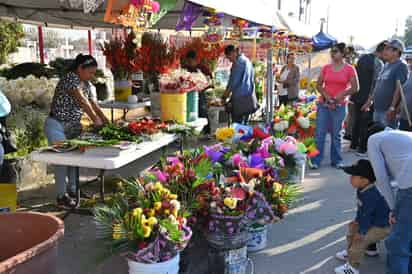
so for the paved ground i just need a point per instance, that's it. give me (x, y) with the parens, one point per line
(305, 242)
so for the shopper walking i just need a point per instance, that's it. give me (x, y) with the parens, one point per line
(73, 97)
(241, 86)
(336, 81)
(289, 81)
(386, 95)
(390, 154)
(369, 67)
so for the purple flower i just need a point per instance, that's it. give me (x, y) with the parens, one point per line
(264, 151)
(251, 214)
(214, 155)
(160, 176)
(173, 160)
(256, 161)
(230, 230)
(229, 224)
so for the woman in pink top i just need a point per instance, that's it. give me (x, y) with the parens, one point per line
(336, 81)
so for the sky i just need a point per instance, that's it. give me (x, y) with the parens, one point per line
(369, 21)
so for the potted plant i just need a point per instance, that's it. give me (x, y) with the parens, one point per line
(145, 223)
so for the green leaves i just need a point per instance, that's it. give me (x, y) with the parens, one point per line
(202, 170)
(174, 233)
(10, 35)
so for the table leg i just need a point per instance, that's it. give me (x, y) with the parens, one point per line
(112, 113)
(124, 114)
(77, 178)
(101, 177)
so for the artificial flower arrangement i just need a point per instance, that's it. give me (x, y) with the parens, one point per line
(297, 120)
(28, 91)
(155, 56)
(206, 53)
(225, 134)
(120, 56)
(182, 81)
(144, 221)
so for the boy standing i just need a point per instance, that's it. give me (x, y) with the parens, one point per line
(372, 218)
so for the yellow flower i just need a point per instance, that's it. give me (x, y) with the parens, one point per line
(158, 186)
(137, 212)
(146, 231)
(117, 232)
(165, 192)
(173, 197)
(175, 212)
(312, 115)
(223, 134)
(151, 213)
(157, 205)
(144, 221)
(152, 221)
(277, 187)
(167, 212)
(230, 203)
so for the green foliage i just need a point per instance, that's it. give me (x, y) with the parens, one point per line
(61, 66)
(202, 170)
(10, 35)
(26, 125)
(25, 69)
(173, 231)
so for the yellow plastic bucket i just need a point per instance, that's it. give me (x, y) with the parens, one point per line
(8, 197)
(122, 90)
(173, 107)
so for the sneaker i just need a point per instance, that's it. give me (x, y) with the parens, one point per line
(338, 165)
(65, 201)
(372, 250)
(342, 255)
(314, 167)
(361, 154)
(346, 269)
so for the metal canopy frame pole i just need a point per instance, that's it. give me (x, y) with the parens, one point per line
(41, 44)
(269, 85)
(90, 42)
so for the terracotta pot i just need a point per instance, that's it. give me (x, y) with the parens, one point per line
(29, 243)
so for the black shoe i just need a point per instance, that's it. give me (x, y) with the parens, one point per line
(347, 138)
(372, 250)
(66, 201)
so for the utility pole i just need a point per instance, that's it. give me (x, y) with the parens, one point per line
(279, 4)
(307, 11)
(300, 10)
(327, 18)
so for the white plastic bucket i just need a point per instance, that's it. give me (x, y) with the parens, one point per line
(155, 104)
(213, 116)
(299, 178)
(258, 237)
(168, 267)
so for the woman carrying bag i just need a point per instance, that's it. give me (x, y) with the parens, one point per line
(289, 81)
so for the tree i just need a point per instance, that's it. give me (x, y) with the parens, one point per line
(408, 31)
(10, 35)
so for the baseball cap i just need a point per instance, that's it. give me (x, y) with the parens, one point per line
(362, 168)
(396, 44)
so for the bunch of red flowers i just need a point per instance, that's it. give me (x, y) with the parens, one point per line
(120, 54)
(206, 53)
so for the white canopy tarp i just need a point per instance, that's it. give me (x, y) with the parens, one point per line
(53, 13)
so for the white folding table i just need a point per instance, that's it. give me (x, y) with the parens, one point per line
(79, 160)
(125, 106)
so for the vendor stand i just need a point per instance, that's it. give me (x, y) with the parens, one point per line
(125, 106)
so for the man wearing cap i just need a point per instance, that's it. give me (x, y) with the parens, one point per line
(371, 223)
(386, 96)
(391, 158)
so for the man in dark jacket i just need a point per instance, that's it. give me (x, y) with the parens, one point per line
(368, 68)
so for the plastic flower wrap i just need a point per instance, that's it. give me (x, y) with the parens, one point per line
(181, 81)
(303, 122)
(145, 221)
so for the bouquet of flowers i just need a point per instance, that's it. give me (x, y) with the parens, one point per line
(207, 53)
(120, 54)
(145, 221)
(30, 90)
(181, 81)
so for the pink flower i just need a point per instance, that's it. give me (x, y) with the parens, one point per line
(288, 148)
(155, 7)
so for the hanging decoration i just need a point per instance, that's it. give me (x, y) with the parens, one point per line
(88, 5)
(189, 15)
(214, 27)
(266, 35)
(135, 14)
(165, 7)
(238, 26)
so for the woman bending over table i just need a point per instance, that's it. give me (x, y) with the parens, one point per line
(73, 96)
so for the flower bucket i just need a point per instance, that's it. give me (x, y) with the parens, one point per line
(122, 90)
(213, 116)
(299, 176)
(155, 104)
(192, 106)
(173, 107)
(168, 267)
(227, 253)
(258, 235)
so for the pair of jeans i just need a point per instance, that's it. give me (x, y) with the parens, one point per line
(404, 125)
(64, 176)
(241, 119)
(349, 120)
(361, 121)
(329, 120)
(399, 242)
(380, 117)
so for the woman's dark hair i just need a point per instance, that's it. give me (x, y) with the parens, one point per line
(381, 46)
(83, 61)
(191, 54)
(339, 47)
(229, 49)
